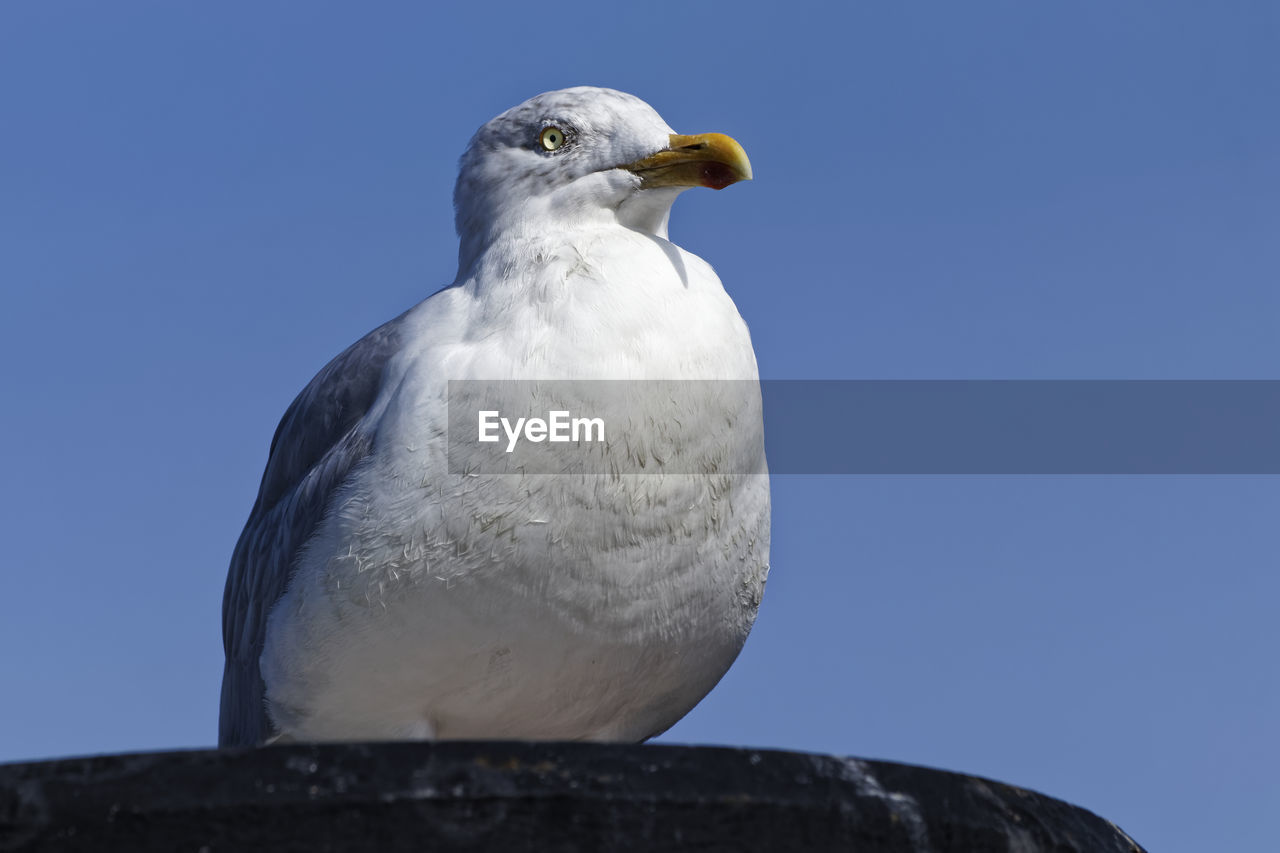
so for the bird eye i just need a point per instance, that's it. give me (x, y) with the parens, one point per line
(551, 138)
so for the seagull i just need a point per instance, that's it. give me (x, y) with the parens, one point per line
(378, 594)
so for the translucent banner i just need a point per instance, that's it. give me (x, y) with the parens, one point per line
(865, 427)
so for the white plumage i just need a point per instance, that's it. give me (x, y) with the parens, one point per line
(373, 594)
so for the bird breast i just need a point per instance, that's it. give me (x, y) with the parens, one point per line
(594, 582)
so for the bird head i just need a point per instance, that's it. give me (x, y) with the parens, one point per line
(579, 157)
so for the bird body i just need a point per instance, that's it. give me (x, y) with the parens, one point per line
(374, 594)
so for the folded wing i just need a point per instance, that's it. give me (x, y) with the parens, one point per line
(322, 437)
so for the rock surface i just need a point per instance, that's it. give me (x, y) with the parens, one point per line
(456, 796)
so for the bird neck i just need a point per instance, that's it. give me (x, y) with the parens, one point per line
(543, 223)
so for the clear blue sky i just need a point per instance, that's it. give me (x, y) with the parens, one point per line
(201, 203)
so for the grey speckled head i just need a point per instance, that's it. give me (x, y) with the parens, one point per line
(508, 180)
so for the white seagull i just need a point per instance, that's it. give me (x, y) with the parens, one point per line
(375, 595)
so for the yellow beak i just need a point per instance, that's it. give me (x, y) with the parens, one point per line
(705, 160)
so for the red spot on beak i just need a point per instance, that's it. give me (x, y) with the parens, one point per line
(717, 176)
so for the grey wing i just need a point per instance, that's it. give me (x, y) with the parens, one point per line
(320, 440)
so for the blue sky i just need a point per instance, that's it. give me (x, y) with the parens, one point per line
(203, 203)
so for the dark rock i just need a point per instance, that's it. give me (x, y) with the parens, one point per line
(525, 797)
